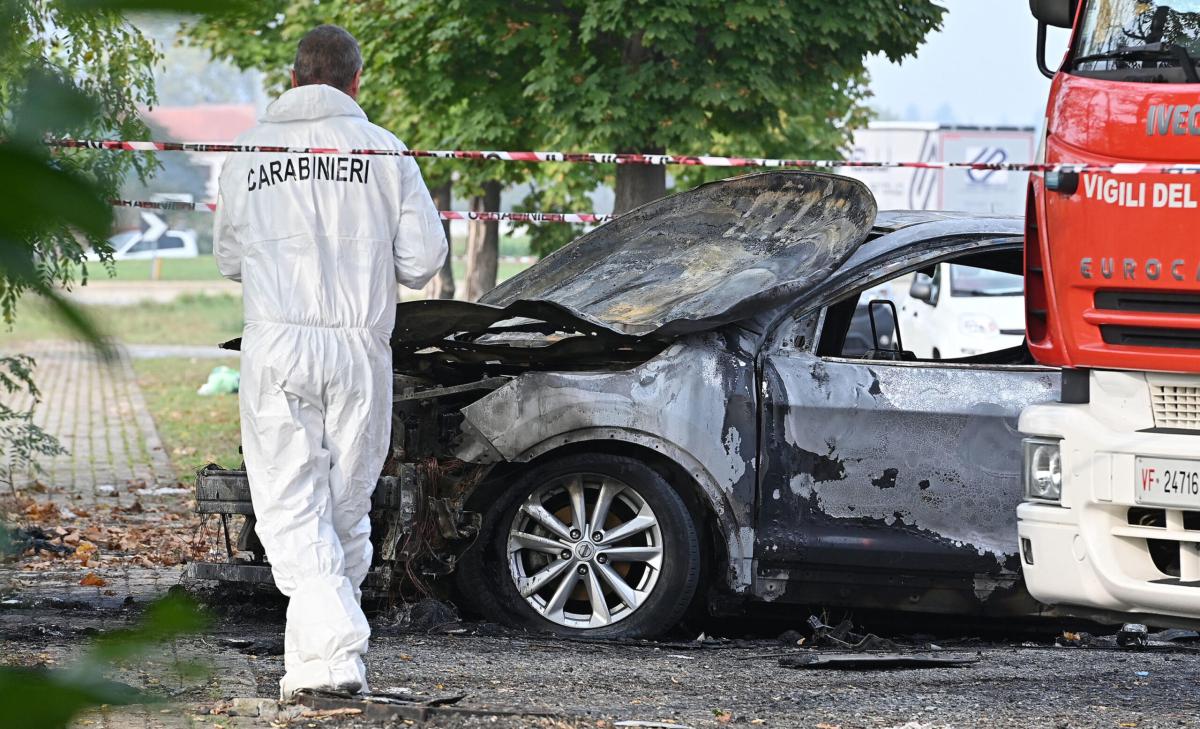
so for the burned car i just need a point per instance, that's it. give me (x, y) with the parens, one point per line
(679, 409)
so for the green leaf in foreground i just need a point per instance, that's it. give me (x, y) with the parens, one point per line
(38, 698)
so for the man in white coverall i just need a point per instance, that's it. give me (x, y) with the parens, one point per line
(320, 243)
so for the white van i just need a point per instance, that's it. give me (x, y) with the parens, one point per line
(961, 311)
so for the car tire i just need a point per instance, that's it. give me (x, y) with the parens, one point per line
(634, 577)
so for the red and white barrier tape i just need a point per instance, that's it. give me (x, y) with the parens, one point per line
(586, 218)
(590, 218)
(164, 205)
(1124, 168)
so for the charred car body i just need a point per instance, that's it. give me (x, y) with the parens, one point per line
(673, 407)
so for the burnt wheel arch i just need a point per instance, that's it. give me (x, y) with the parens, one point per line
(484, 571)
(714, 548)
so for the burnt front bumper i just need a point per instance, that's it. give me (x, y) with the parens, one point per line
(225, 494)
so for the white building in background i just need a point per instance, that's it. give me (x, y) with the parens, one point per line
(979, 191)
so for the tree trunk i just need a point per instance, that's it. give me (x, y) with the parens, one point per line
(638, 185)
(441, 286)
(483, 244)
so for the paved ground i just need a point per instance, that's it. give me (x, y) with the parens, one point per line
(48, 618)
(111, 505)
(97, 412)
(685, 683)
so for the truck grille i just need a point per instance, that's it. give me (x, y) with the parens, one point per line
(1149, 301)
(1128, 336)
(1171, 537)
(1176, 406)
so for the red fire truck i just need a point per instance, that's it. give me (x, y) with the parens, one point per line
(1111, 519)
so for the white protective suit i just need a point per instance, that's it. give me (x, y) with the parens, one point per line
(319, 243)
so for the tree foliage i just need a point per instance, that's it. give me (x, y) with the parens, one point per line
(66, 68)
(752, 77)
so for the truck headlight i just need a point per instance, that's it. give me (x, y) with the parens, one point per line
(977, 324)
(1043, 469)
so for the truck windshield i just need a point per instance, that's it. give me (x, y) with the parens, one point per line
(971, 281)
(1134, 40)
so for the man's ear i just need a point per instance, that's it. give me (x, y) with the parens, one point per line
(293, 72)
(353, 90)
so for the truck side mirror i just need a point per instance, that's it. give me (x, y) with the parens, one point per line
(1059, 13)
(921, 288)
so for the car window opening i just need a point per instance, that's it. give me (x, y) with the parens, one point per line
(965, 310)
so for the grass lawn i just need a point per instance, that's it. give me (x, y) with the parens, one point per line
(195, 430)
(202, 268)
(503, 271)
(196, 269)
(514, 245)
(190, 319)
(196, 320)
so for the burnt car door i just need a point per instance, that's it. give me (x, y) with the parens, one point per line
(888, 481)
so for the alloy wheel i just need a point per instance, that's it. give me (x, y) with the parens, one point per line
(585, 551)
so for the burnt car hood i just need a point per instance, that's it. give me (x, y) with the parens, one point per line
(686, 263)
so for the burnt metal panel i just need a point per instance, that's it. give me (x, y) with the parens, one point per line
(427, 322)
(394, 507)
(695, 403)
(231, 572)
(217, 487)
(703, 257)
(911, 467)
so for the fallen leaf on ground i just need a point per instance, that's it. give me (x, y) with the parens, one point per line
(91, 579)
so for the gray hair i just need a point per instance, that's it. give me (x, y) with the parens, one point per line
(327, 55)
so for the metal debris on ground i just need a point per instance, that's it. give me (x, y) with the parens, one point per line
(843, 636)
(1133, 635)
(427, 615)
(1173, 635)
(269, 646)
(872, 661)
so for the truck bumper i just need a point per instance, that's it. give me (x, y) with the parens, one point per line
(1100, 549)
